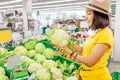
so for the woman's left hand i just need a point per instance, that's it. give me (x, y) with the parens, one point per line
(73, 55)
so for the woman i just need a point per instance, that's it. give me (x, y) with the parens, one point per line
(98, 45)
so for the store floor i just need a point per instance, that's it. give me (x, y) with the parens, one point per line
(114, 66)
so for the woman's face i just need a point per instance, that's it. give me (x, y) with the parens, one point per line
(89, 16)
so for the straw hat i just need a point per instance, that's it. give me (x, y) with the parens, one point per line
(100, 6)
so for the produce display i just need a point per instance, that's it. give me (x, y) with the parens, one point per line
(2, 74)
(40, 59)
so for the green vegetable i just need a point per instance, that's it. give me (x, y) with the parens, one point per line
(43, 74)
(65, 67)
(33, 67)
(49, 63)
(60, 38)
(2, 61)
(20, 50)
(39, 58)
(3, 52)
(56, 73)
(39, 47)
(26, 61)
(59, 64)
(49, 53)
(70, 44)
(3, 77)
(2, 71)
(51, 32)
(30, 44)
(31, 53)
(71, 68)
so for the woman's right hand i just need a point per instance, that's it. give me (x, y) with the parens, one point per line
(77, 48)
(74, 47)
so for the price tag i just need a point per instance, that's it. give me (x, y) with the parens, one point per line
(13, 61)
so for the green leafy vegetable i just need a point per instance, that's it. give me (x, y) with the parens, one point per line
(49, 53)
(40, 47)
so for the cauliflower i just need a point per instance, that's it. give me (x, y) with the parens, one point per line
(49, 63)
(60, 38)
(31, 53)
(20, 50)
(39, 58)
(43, 74)
(26, 61)
(34, 67)
(56, 73)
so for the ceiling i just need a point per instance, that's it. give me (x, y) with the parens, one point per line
(44, 4)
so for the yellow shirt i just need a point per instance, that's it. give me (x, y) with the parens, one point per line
(99, 70)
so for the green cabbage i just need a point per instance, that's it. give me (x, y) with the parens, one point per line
(26, 61)
(49, 63)
(3, 52)
(20, 50)
(30, 44)
(51, 32)
(2, 71)
(3, 77)
(39, 58)
(40, 47)
(31, 53)
(49, 53)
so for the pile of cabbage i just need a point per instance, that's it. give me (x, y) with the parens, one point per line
(46, 71)
(38, 58)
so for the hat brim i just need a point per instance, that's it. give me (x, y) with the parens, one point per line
(93, 8)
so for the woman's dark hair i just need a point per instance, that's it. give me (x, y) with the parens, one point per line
(100, 20)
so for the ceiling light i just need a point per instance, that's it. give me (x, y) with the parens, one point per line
(51, 2)
(57, 7)
(11, 6)
(10, 2)
(58, 10)
(60, 5)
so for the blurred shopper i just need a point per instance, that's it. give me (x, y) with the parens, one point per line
(9, 25)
